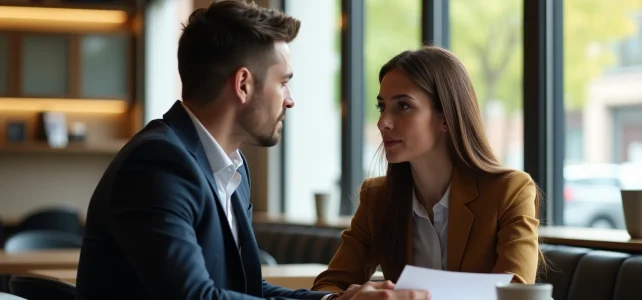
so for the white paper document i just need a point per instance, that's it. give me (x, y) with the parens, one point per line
(447, 285)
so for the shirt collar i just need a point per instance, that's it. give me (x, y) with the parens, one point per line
(420, 210)
(216, 156)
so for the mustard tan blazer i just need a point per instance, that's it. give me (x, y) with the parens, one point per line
(492, 228)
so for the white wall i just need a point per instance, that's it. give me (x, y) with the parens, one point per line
(313, 126)
(162, 30)
(30, 181)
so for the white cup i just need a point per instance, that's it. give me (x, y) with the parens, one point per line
(519, 291)
(322, 203)
(632, 206)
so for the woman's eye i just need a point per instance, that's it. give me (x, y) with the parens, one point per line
(403, 106)
(380, 107)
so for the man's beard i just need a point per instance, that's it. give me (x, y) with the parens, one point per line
(260, 135)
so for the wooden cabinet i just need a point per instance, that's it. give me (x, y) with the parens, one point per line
(105, 70)
(73, 65)
(44, 65)
(83, 58)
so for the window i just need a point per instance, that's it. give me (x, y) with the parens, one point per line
(584, 108)
(390, 28)
(603, 109)
(312, 132)
(487, 37)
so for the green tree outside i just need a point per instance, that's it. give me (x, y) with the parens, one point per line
(488, 37)
(390, 28)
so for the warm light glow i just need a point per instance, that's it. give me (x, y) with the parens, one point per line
(63, 14)
(104, 106)
(43, 17)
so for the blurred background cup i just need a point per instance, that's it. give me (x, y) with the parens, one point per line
(519, 291)
(632, 205)
(322, 203)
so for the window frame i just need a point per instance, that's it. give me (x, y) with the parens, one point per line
(542, 97)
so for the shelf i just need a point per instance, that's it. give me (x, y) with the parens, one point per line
(595, 238)
(68, 16)
(107, 148)
(128, 5)
(103, 106)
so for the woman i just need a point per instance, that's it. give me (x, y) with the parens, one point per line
(445, 202)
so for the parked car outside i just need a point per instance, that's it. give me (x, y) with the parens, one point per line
(592, 196)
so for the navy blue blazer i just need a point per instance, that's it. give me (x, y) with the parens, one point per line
(155, 228)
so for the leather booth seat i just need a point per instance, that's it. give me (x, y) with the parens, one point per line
(587, 274)
(290, 244)
(576, 273)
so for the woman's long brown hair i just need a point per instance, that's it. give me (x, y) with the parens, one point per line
(446, 82)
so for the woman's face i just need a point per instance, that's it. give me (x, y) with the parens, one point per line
(410, 127)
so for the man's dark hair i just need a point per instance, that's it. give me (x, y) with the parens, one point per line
(227, 35)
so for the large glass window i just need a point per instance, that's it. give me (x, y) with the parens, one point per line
(603, 109)
(487, 36)
(313, 127)
(390, 28)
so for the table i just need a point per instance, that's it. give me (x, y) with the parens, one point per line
(609, 239)
(21, 263)
(297, 276)
(335, 222)
(292, 276)
(65, 275)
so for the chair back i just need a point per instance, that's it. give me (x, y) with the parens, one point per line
(41, 288)
(41, 240)
(62, 218)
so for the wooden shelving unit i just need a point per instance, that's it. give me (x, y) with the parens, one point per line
(105, 148)
(117, 116)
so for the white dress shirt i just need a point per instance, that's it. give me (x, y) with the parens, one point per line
(429, 240)
(224, 168)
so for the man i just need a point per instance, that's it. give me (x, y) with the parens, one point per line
(171, 217)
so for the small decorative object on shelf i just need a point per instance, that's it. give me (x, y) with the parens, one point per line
(16, 132)
(77, 132)
(52, 127)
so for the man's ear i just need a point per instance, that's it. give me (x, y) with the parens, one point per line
(243, 84)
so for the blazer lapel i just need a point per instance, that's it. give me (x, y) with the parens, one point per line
(460, 219)
(239, 253)
(247, 243)
(178, 119)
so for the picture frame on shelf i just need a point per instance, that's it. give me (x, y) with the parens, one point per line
(16, 132)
